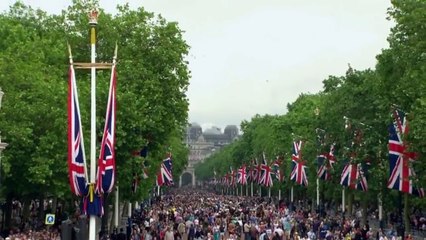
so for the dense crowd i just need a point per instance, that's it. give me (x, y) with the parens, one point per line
(188, 214)
(195, 215)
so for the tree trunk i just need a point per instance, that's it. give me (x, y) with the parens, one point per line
(124, 212)
(40, 213)
(54, 205)
(8, 212)
(350, 201)
(104, 226)
(406, 213)
(364, 205)
(26, 210)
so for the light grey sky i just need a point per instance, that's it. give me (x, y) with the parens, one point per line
(255, 56)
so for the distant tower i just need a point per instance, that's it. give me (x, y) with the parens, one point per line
(231, 131)
(195, 132)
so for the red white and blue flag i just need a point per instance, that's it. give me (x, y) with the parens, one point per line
(165, 177)
(76, 157)
(106, 162)
(253, 171)
(266, 174)
(298, 172)
(258, 172)
(232, 177)
(242, 175)
(325, 164)
(276, 170)
(354, 176)
(402, 176)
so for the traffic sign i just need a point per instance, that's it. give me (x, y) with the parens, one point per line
(50, 219)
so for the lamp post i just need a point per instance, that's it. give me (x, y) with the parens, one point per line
(317, 112)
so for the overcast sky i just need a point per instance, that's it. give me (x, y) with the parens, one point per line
(255, 56)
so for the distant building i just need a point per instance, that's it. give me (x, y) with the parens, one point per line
(202, 144)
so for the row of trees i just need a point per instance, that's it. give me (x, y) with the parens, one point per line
(152, 105)
(365, 98)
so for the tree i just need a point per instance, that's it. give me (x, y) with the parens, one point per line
(152, 106)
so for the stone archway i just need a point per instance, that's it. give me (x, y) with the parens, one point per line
(187, 178)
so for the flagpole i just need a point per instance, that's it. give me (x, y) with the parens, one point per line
(380, 209)
(269, 192)
(251, 186)
(93, 22)
(343, 201)
(318, 199)
(279, 194)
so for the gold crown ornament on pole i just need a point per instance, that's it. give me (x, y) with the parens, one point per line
(93, 17)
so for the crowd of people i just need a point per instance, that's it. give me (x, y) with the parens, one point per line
(195, 215)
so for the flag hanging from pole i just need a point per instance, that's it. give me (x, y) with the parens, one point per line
(165, 177)
(242, 175)
(325, 164)
(298, 172)
(402, 176)
(278, 175)
(232, 177)
(266, 174)
(354, 176)
(76, 157)
(106, 162)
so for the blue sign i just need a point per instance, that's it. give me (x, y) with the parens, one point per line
(50, 219)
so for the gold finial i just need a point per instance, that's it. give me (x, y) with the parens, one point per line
(93, 17)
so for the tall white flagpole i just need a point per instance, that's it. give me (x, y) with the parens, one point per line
(343, 200)
(380, 209)
(93, 22)
(318, 200)
(279, 194)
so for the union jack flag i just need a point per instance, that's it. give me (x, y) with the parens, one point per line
(76, 157)
(325, 164)
(253, 171)
(298, 172)
(106, 162)
(165, 177)
(242, 175)
(225, 180)
(266, 173)
(402, 174)
(276, 170)
(354, 176)
(232, 177)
